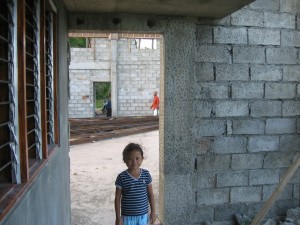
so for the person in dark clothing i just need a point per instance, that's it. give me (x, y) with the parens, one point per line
(107, 107)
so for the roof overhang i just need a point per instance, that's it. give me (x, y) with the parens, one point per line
(214, 9)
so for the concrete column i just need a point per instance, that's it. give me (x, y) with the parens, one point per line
(113, 73)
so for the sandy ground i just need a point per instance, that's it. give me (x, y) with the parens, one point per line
(94, 168)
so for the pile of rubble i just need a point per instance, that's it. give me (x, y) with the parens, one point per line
(292, 218)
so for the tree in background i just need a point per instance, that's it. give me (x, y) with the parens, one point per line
(102, 90)
(77, 42)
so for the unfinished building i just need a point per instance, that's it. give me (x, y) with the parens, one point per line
(229, 114)
(118, 59)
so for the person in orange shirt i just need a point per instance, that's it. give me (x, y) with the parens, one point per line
(155, 104)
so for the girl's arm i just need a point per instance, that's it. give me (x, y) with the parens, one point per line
(118, 206)
(152, 204)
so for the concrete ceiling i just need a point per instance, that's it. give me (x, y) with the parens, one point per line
(198, 8)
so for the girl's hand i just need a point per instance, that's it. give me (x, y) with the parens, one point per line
(119, 222)
(152, 217)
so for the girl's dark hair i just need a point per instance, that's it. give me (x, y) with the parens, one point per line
(130, 148)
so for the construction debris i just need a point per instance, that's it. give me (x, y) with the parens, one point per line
(88, 130)
(242, 219)
(292, 217)
(270, 222)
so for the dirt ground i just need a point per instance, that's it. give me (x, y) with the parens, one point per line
(94, 168)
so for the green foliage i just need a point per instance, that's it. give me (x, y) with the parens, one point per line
(99, 103)
(102, 90)
(77, 42)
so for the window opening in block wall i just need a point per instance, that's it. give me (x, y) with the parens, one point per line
(80, 42)
(143, 43)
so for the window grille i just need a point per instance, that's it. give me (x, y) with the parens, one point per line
(49, 79)
(8, 140)
(32, 83)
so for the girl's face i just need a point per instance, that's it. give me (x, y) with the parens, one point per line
(134, 160)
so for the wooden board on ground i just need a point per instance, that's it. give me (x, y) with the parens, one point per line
(87, 130)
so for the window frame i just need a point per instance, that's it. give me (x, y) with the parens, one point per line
(11, 193)
(49, 7)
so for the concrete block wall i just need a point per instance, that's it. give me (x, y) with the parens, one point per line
(138, 72)
(138, 76)
(246, 110)
(82, 54)
(81, 102)
(88, 65)
(102, 49)
(229, 125)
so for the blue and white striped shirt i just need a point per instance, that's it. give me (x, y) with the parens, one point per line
(134, 200)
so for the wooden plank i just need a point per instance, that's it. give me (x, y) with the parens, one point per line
(96, 129)
(83, 140)
(155, 126)
(100, 128)
(9, 198)
(88, 134)
(117, 120)
(268, 204)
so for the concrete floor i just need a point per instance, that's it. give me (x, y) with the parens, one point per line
(94, 168)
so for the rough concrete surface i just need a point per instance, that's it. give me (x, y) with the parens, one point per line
(94, 168)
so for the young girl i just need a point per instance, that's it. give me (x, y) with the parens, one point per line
(134, 190)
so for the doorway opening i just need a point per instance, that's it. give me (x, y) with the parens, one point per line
(131, 78)
(102, 93)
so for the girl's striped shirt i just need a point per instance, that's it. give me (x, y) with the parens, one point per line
(134, 200)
